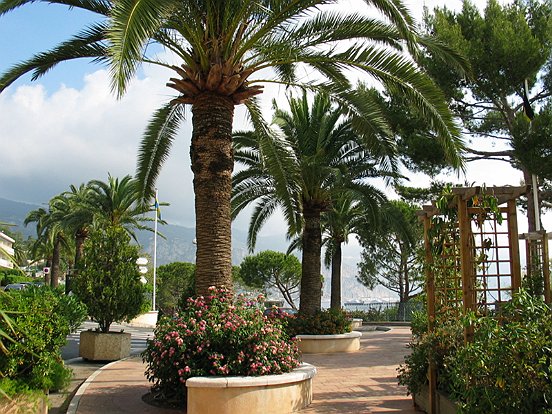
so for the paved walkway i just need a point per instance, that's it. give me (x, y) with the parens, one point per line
(360, 382)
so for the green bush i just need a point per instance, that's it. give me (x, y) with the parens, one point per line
(109, 281)
(507, 368)
(323, 322)
(42, 319)
(13, 276)
(216, 335)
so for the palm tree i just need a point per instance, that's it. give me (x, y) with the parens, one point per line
(316, 157)
(224, 50)
(117, 203)
(51, 235)
(350, 211)
(80, 218)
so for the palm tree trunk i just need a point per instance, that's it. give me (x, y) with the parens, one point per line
(311, 279)
(80, 238)
(335, 301)
(212, 163)
(54, 281)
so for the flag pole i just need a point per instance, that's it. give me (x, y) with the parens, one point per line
(155, 250)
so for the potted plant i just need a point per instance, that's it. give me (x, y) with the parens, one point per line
(109, 284)
(327, 331)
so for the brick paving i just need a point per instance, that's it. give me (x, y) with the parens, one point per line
(359, 382)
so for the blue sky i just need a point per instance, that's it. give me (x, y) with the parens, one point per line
(37, 27)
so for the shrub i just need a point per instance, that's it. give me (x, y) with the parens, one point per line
(109, 282)
(505, 369)
(42, 319)
(323, 322)
(216, 335)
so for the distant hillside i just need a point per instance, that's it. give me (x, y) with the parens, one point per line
(14, 212)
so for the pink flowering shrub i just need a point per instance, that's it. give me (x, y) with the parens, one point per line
(217, 335)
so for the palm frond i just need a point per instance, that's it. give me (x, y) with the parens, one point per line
(132, 24)
(155, 146)
(87, 44)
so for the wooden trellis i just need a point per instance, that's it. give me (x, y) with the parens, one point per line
(472, 255)
(536, 250)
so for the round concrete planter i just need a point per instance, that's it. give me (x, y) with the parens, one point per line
(269, 394)
(100, 346)
(324, 344)
(356, 323)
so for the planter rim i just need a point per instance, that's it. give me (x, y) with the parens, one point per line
(303, 372)
(93, 331)
(348, 335)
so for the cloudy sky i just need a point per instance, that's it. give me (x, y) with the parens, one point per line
(67, 128)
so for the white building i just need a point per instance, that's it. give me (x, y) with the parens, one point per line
(6, 251)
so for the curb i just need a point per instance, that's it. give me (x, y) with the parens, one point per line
(74, 403)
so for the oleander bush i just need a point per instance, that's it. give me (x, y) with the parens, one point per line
(216, 335)
(507, 368)
(39, 321)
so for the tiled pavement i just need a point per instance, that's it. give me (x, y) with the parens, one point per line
(360, 382)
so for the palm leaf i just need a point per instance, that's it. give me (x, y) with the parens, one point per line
(156, 145)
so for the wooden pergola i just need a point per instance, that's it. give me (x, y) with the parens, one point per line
(473, 258)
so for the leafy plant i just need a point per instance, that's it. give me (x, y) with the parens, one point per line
(323, 322)
(216, 335)
(508, 366)
(506, 369)
(42, 319)
(109, 282)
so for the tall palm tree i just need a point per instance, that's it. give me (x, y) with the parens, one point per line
(316, 156)
(225, 49)
(80, 218)
(51, 235)
(350, 211)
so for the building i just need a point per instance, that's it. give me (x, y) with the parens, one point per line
(6, 251)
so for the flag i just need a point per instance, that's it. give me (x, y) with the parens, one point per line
(156, 206)
(529, 113)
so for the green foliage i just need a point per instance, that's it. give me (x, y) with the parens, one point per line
(270, 269)
(13, 276)
(109, 282)
(42, 319)
(505, 369)
(436, 346)
(175, 284)
(323, 322)
(391, 253)
(216, 335)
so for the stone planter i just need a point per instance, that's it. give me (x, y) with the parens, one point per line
(269, 394)
(356, 323)
(442, 404)
(323, 344)
(99, 346)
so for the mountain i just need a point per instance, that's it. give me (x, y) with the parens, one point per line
(13, 214)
